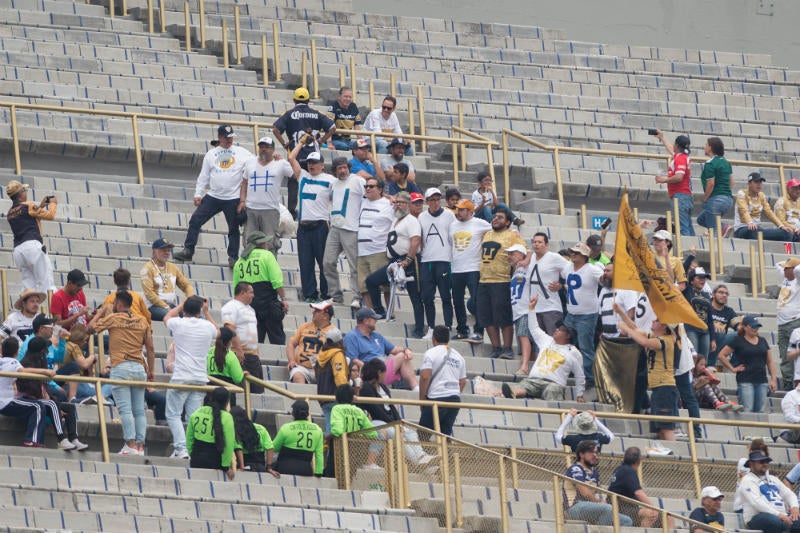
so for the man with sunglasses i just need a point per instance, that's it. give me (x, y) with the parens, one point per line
(384, 120)
(374, 222)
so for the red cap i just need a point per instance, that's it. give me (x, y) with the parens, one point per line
(793, 183)
(416, 197)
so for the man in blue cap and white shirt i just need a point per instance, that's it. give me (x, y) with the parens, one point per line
(218, 189)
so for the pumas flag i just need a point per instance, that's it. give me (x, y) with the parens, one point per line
(636, 268)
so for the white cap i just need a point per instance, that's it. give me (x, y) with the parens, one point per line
(314, 157)
(663, 235)
(266, 140)
(517, 248)
(711, 492)
(431, 191)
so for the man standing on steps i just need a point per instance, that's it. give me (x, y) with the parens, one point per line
(218, 190)
(347, 192)
(264, 176)
(238, 315)
(788, 315)
(297, 122)
(436, 257)
(30, 255)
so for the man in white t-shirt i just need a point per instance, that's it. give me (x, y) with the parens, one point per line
(241, 317)
(402, 247)
(347, 193)
(192, 337)
(218, 190)
(466, 234)
(544, 275)
(384, 120)
(313, 216)
(442, 377)
(264, 175)
(520, 298)
(558, 357)
(375, 220)
(397, 152)
(788, 314)
(583, 305)
(436, 257)
(608, 297)
(19, 324)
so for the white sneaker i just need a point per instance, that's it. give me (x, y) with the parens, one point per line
(428, 336)
(65, 445)
(79, 446)
(355, 304)
(427, 458)
(91, 400)
(179, 454)
(127, 450)
(372, 466)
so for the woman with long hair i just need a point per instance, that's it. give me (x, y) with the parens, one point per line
(754, 359)
(678, 180)
(299, 444)
(253, 446)
(222, 362)
(210, 434)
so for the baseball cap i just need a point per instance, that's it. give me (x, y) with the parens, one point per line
(266, 140)
(41, 320)
(581, 249)
(315, 157)
(663, 235)
(465, 204)
(301, 94)
(397, 142)
(711, 492)
(751, 321)
(14, 188)
(416, 197)
(365, 313)
(257, 237)
(225, 131)
(159, 244)
(77, 277)
(755, 176)
(360, 143)
(334, 335)
(517, 248)
(432, 191)
(699, 271)
(594, 241)
(794, 182)
(324, 305)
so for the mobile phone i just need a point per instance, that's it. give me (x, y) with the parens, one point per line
(606, 223)
(653, 132)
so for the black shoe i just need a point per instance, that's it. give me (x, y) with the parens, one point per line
(507, 390)
(183, 255)
(518, 222)
(231, 262)
(461, 336)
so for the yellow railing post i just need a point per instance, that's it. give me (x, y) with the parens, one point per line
(248, 400)
(353, 76)
(187, 24)
(137, 147)
(371, 87)
(391, 467)
(678, 247)
(720, 248)
(761, 264)
(238, 33)
(454, 149)
(490, 163)
(457, 488)
(712, 257)
(695, 465)
(342, 80)
(411, 120)
(636, 214)
(4, 288)
(225, 60)
(314, 78)
(753, 273)
(664, 521)
(46, 306)
(276, 54)
(202, 14)
(503, 495)
(421, 107)
(558, 504)
(444, 469)
(150, 16)
(304, 69)
(264, 64)
(584, 223)
(255, 138)
(345, 460)
(101, 351)
(124, 8)
(391, 84)
(162, 16)
(462, 148)
(506, 167)
(15, 141)
(670, 227)
(514, 469)
(101, 418)
(559, 182)
(111, 8)
(615, 512)
(782, 178)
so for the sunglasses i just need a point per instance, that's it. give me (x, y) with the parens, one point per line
(370, 186)
(387, 107)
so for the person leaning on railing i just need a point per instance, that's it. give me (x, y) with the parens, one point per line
(221, 361)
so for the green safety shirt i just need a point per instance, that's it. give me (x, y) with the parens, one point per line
(201, 428)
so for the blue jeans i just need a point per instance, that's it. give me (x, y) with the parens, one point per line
(436, 275)
(327, 407)
(585, 326)
(158, 313)
(689, 399)
(210, 206)
(310, 251)
(130, 401)
(722, 339)
(716, 205)
(769, 523)
(700, 341)
(752, 396)
(685, 207)
(461, 282)
(597, 513)
(177, 400)
(342, 144)
(769, 234)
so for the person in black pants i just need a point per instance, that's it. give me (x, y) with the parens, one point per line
(442, 377)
